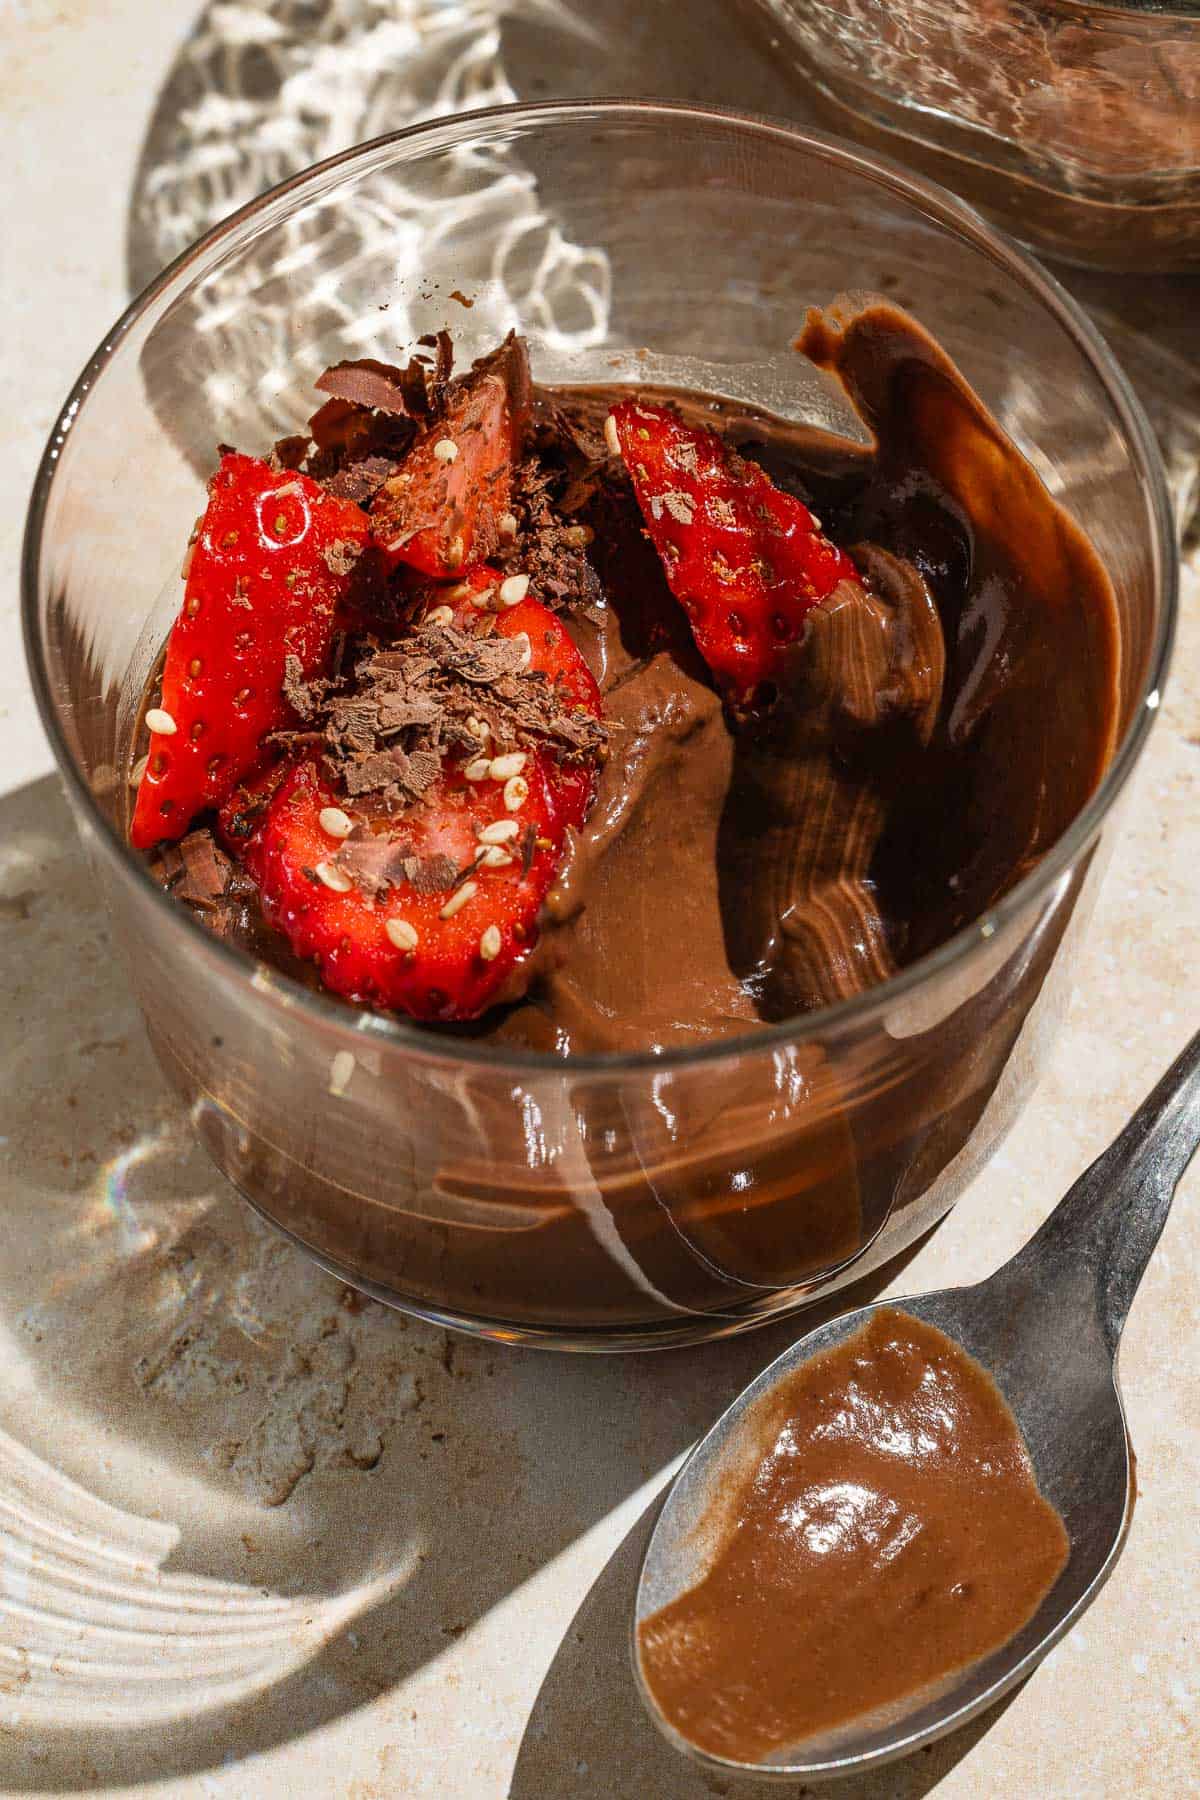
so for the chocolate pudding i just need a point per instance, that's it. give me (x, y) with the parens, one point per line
(946, 711)
(889, 1532)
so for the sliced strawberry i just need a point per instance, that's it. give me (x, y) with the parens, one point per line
(746, 561)
(551, 649)
(400, 950)
(442, 511)
(275, 557)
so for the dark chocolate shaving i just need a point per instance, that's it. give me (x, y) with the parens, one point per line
(413, 392)
(388, 725)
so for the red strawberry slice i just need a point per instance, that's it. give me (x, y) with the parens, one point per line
(466, 871)
(746, 561)
(511, 613)
(274, 559)
(442, 511)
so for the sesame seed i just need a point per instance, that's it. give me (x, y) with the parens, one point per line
(543, 843)
(461, 590)
(494, 856)
(333, 877)
(483, 598)
(340, 1071)
(441, 615)
(610, 436)
(335, 822)
(514, 590)
(490, 944)
(191, 606)
(521, 639)
(455, 551)
(816, 523)
(576, 536)
(197, 730)
(501, 767)
(402, 934)
(499, 831)
(194, 667)
(242, 695)
(139, 769)
(445, 450)
(479, 770)
(516, 792)
(159, 719)
(506, 524)
(185, 567)
(459, 899)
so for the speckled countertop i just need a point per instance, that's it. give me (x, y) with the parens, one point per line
(258, 1539)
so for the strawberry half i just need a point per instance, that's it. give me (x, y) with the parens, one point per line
(274, 559)
(459, 879)
(746, 561)
(551, 649)
(442, 510)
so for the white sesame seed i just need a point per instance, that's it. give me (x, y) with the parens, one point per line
(139, 769)
(335, 822)
(521, 638)
(483, 598)
(499, 831)
(445, 450)
(402, 934)
(513, 590)
(516, 792)
(490, 944)
(501, 767)
(506, 524)
(610, 436)
(340, 1071)
(478, 728)
(816, 523)
(479, 770)
(495, 856)
(459, 899)
(460, 591)
(333, 877)
(159, 719)
(440, 615)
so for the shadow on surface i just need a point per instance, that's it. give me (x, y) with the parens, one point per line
(588, 1734)
(242, 1501)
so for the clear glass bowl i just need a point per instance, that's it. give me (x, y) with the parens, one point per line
(602, 1203)
(1075, 125)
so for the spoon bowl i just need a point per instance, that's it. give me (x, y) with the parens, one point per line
(1046, 1328)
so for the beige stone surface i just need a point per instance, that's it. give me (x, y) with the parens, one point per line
(259, 1540)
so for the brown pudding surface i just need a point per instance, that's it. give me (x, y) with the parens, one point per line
(941, 725)
(889, 1531)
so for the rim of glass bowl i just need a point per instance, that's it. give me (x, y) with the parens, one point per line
(951, 213)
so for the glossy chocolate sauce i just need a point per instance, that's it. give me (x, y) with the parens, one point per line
(941, 725)
(889, 1532)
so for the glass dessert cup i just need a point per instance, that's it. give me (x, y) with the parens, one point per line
(616, 1202)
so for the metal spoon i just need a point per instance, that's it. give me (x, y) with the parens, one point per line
(1046, 1326)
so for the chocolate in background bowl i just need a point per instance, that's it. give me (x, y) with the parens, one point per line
(612, 1202)
(1074, 125)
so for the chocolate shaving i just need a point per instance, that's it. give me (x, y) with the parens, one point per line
(413, 392)
(360, 481)
(388, 725)
(340, 557)
(377, 863)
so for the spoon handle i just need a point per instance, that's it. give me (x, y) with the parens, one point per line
(1104, 1229)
